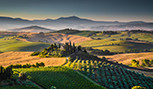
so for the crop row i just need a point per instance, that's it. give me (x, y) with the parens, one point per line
(110, 75)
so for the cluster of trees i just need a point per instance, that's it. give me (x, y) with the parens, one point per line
(5, 73)
(68, 31)
(52, 50)
(135, 63)
(110, 32)
(56, 50)
(99, 52)
(138, 50)
(41, 64)
(140, 31)
(145, 62)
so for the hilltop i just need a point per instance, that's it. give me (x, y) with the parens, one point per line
(75, 23)
(31, 29)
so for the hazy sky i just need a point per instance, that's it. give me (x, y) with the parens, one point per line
(104, 10)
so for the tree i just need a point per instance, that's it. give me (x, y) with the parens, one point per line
(135, 63)
(79, 48)
(42, 64)
(145, 62)
(138, 87)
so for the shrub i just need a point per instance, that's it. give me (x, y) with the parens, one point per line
(145, 62)
(135, 63)
(70, 59)
(42, 64)
(22, 76)
(35, 53)
(138, 87)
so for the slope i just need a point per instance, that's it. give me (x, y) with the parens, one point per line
(11, 44)
(9, 58)
(128, 57)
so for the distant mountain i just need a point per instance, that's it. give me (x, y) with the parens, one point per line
(32, 29)
(74, 22)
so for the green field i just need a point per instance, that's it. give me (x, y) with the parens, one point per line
(125, 34)
(122, 47)
(61, 77)
(16, 45)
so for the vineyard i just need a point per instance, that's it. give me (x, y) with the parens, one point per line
(110, 75)
(61, 77)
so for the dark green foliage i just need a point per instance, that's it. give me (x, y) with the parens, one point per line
(138, 50)
(52, 50)
(23, 76)
(35, 53)
(79, 48)
(135, 63)
(5, 73)
(110, 32)
(146, 62)
(61, 77)
(110, 75)
(41, 64)
(56, 50)
(67, 31)
(101, 52)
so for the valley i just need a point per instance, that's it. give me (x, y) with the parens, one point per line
(97, 58)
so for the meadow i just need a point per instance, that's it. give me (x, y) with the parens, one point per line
(11, 44)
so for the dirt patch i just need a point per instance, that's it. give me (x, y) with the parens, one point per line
(10, 58)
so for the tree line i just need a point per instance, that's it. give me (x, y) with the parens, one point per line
(5, 73)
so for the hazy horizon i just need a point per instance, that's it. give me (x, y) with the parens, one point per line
(98, 10)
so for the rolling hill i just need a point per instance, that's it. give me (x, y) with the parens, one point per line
(31, 29)
(128, 57)
(75, 23)
(26, 41)
(116, 46)
(18, 45)
(24, 58)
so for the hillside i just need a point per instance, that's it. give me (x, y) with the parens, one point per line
(127, 58)
(9, 58)
(76, 32)
(120, 41)
(31, 29)
(28, 41)
(116, 46)
(13, 44)
(56, 38)
(75, 23)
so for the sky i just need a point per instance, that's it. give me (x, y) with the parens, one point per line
(99, 10)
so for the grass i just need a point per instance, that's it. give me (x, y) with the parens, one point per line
(122, 47)
(61, 77)
(124, 34)
(16, 45)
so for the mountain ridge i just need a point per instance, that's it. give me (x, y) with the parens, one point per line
(75, 23)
